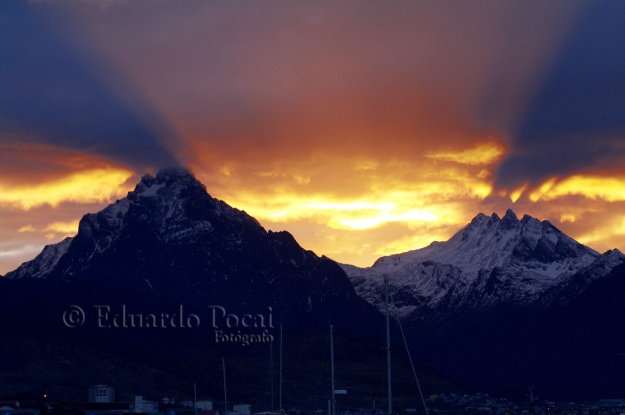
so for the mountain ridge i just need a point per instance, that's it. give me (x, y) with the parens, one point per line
(475, 308)
(169, 237)
(490, 260)
(527, 256)
(166, 245)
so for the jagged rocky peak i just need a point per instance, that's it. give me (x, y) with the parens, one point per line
(490, 241)
(526, 239)
(511, 216)
(492, 259)
(509, 220)
(161, 195)
(169, 182)
(173, 204)
(172, 177)
(164, 212)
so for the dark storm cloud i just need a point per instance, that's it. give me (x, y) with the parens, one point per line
(53, 95)
(577, 120)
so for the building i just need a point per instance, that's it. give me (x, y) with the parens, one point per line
(204, 405)
(141, 406)
(101, 394)
(241, 409)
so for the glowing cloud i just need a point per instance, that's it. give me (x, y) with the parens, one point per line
(483, 153)
(353, 208)
(616, 229)
(321, 119)
(542, 190)
(516, 193)
(87, 186)
(412, 215)
(610, 189)
(66, 228)
(26, 249)
(568, 217)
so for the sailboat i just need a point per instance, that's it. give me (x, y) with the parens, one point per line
(225, 391)
(388, 355)
(271, 377)
(388, 349)
(334, 392)
(332, 401)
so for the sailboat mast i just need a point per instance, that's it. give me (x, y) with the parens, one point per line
(225, 392)
(332, 364)
(271, 373)
(388, 349)
(280, 409)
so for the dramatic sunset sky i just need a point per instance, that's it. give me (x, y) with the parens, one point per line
(364, 128)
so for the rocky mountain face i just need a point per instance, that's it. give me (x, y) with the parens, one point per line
(170, 249)
(492, 261)
(170, 238)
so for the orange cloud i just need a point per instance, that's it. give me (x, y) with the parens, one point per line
(516, 193)
(87, 186)
(34, 175)
(610, 189)
(323, 119)
(610, 230)
(351, 208)
(65, 228)
(482, 153)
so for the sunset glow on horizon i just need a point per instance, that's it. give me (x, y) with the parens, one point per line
(364, 129)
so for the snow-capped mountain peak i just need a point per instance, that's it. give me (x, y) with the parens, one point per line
(528, 256)
(170, 239)
(172, 207)
(488, 242)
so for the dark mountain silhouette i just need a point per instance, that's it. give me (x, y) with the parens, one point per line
(503, 304)
(170, 244)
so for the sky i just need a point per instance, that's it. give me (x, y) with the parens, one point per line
(364, 128)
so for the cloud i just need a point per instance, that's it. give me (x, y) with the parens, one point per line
(55, 94)
(87, 186)
(26, 249)
(610, 189)
(576, 120)
(351, 202)
(351, 124)
(36, 175)
(64, 228)
(481, 153)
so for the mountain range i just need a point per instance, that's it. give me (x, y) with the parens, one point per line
(507, 302)
(504, 304)
(492, 261)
